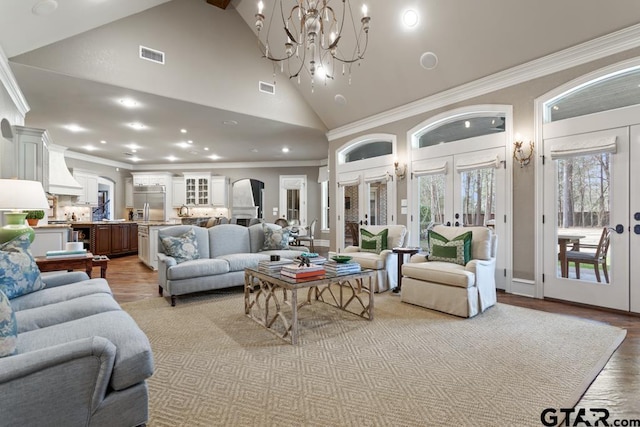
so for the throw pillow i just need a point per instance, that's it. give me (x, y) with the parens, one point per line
(457, 250)
(8, 327)
(275, 238)
(182, 248)
(19, 273)
(375, 243)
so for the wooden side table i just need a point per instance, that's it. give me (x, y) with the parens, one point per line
(82, 262)
(401, 252)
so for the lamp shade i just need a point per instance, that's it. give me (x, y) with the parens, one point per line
(22, 195)
(18, 196)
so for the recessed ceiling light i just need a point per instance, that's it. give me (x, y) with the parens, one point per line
(134, 151)
(74, 128)
(190, 141)
(132, 146)
(172, 158)
(137, 126)
(103, 142)
(128, 102)
(214, 157)
(44, 7)
(90, 148)
(285, 149)
(135, 159)
(230, 122)
(206, 148)
(183, 144)
(183, 131)
(410, 18)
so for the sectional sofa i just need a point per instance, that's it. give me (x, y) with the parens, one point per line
(223, 252)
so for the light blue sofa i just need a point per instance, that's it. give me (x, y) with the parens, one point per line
(80, 359)
(225, 251)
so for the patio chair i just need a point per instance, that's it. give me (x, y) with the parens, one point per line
(597, 258)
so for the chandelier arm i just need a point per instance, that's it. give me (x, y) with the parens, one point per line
(358, 57)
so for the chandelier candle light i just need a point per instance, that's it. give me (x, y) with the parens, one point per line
(314, 38)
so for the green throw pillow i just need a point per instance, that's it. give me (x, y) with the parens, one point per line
(375, 243)
(457, 250)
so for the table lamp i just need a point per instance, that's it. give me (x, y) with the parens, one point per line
(17, 196)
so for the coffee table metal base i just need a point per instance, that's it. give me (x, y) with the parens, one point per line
(273, 302)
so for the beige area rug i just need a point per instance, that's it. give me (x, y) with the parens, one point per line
(408, 367)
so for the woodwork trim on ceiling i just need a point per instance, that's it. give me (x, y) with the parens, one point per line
(8, 80)
(222, 4)
(601, 47)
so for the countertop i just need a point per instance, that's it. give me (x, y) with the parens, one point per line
(88, 223)
(52, 226)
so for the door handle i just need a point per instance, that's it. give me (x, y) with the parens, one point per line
(618, 228)
(636, 229)
(457, 224)
(448, 223)
(360, 222)
(636, 216)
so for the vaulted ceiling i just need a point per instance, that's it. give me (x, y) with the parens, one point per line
(77, 63)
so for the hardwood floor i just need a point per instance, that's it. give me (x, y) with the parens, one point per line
(616, 388)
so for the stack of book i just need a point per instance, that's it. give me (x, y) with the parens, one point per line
(66, 254)
(272, 266)
(339, 268)
(305, 272)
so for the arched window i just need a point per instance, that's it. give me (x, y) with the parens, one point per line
(368, 150)
(462, 128)
(614, 90)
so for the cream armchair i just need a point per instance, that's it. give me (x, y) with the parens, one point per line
(461, 290)
(386, 262)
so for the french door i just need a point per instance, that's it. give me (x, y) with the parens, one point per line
(463, 189)
(365, 199)
(591, 178)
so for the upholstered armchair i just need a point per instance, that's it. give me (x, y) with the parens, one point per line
(385, 262)
(445, 280)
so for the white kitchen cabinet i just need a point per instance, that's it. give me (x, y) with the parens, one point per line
(32, 154)
(148, 245)
(153, 178)
(89, 183)
(49, 238)
(179, 192)
(128, 193)
(219, 191)
(197, 189)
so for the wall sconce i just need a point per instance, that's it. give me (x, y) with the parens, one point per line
(399, 169)
(519, 154)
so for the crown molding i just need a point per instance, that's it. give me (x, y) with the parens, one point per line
(194, 166)
(8, 80)
(601, 47)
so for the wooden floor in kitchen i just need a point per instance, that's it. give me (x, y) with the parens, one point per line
(617, 387)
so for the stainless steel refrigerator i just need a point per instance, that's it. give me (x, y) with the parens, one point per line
(149, 202)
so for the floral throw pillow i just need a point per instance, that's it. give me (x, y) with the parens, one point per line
(375, 243)
(275, 238)
(182, 248)
(8, 327)
(19, 273)
(457, 250)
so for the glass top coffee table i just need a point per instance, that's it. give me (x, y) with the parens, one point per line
(272, 300)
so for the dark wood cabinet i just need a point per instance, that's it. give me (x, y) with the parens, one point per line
(101, 239)
(110, 239)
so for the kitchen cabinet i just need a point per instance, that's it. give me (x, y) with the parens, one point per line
(148, 245)
(153, 178)
(128, 193)
(109, 238)
(179, 192)
(219, 191)
(31, 155)
(197, 189)
(49, 238)
(89, 183)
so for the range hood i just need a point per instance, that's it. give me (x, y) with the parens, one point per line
(60, 179)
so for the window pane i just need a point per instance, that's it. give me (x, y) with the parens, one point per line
(431, 191)
(478, 197)
(462, 129)
(368, 151)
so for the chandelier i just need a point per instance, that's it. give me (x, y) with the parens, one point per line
(316, 38)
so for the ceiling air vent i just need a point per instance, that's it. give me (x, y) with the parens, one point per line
(151, 55)
(267, 88)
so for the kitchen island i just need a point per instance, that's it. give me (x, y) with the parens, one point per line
(110, 238)
(148, 241)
